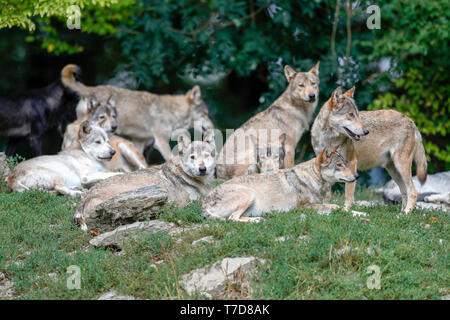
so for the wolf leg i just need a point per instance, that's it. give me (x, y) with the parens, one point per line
(90, 179)
(245, 201)
(136, 161)
(395, 175)
(162, 145)
(409, 192)
(62, 189)
(350, 187)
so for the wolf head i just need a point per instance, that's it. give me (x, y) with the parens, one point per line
(344, 116)
(333, 167)
(103, 113)
(270, 156)
(94, 141)
(197, 157)
(199, 113)
(303, 86)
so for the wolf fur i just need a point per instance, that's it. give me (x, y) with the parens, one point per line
(384, 138)
(185, 177)
(30, 114)
(245, 198)
(68, 171)
(103, 114)
(144, 115)
(291, 114)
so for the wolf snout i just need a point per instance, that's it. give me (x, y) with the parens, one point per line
(202, 170)
(356, 177)
(312, 97)
(114, 127)
(112, 152)
(366, 132)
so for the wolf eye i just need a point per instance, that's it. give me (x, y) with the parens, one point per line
(102, 118)
(192, 157)
(313, 83)
(301, 85)
(351, 114)
(98, 142)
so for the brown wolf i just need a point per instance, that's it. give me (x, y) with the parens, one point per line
(68, 171)
(185, 177)
(245, 198)
(393, 142)
(127, 157)
(291, 114)
(144, 115)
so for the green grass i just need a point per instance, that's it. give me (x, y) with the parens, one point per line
(37, 238)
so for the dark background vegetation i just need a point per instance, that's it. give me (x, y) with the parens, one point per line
(236, 51)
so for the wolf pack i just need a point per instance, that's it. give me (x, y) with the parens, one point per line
(102, 151)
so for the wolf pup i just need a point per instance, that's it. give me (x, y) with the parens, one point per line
(185, 177)
(144, 115)
(291, 113)
(103, 114)
(245, 198)
(393, 142)
(269, 157)
(68, 171)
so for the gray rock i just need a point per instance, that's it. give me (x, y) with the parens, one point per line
(432, 206)
(4, 168)
(210, 281)
(120, 234)
(208, 239)
(133, 205)
(6, 287)
(112, 295)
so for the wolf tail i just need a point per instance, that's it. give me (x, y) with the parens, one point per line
(420, 159)
(69, 77)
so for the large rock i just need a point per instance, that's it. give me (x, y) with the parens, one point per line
(4, 168)
(212, 281)
(118, 236)
(129, 206)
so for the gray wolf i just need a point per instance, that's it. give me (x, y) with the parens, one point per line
(186, 177)
(291, 114)
(103, 114)
(435, 189)
(269, 157)
(245, 198)
(30, 114)
(393, 142)
(68, 171)
(144, 115)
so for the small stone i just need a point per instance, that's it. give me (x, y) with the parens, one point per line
(208, 239)
(427, 226)
(112, 295)
(281, 239)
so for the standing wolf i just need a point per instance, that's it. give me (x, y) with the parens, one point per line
(393, 142)
(143, 115)
(291, 114)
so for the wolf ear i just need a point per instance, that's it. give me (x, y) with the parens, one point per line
(85, 128)
(320, 159)
(183, 142)
(194, 96)
(350, 92)
(315, 69)
(337, 93)
(254, 139)
(92, 102)
(289, 73)
(209, 136)
(111, 100)
(282, 139)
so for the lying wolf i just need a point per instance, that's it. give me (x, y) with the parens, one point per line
(68, 171)
(144, 115)
(435, 189)
(185, 177)
(104, 115)
(393, 142)
(291, 114)
(245, 198)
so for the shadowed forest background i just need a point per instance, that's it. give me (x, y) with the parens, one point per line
(236, 50)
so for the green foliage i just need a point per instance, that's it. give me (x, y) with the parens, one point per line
(417, 42)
